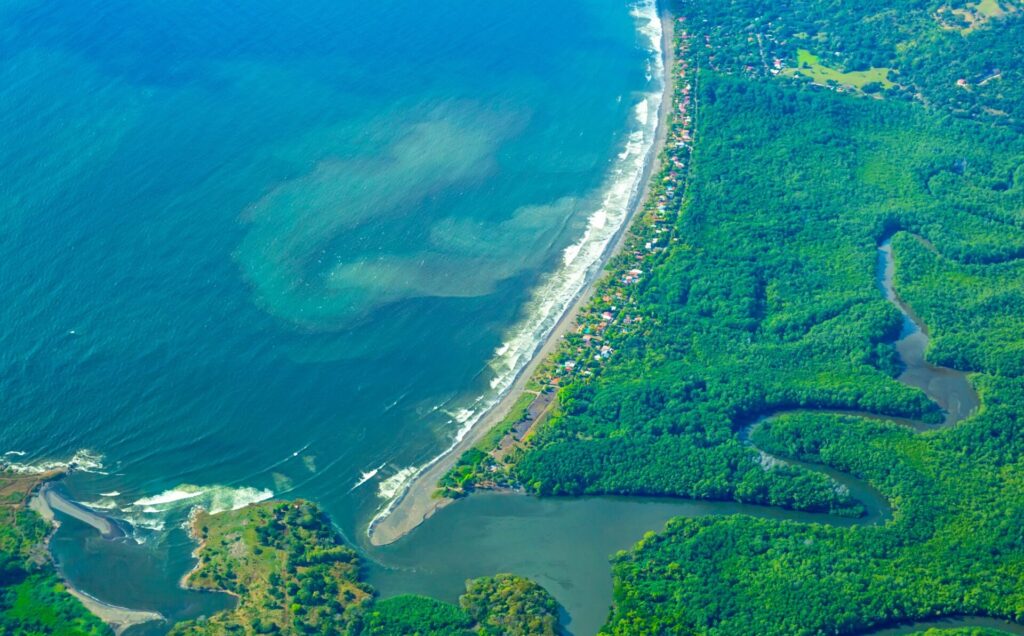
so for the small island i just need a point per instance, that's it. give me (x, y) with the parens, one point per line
(293, 574)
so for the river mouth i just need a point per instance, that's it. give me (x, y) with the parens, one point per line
(124, 573)
(562, 543)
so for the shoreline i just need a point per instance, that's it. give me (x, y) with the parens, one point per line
(418, 503)
(116, 617)
(200, 544)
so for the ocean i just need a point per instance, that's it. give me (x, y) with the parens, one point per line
(256, 249)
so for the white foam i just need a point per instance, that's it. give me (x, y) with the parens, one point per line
(223, 499)
(170, 496)
(104, 503)
(394, 484)
(366, 476)
(84, 460)
(155, 524)
(112, 493)
(152, 513)
(581, 261)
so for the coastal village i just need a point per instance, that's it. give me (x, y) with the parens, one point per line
(611, 316)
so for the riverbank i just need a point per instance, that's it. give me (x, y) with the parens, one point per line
(44, 501)
(949, 388)
(418, 502)
(119, 619)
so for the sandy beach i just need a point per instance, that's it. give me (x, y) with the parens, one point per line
(44, 502)
(53, 500)
(417, 503)
(118, 618)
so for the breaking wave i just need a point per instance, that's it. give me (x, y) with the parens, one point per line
(390, 487)
(173, 506)
(581, 262)
(83, 460)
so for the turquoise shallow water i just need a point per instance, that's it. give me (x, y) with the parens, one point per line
(259, 247)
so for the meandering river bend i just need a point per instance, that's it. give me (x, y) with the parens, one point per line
(564, 543)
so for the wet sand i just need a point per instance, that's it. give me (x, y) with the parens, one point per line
(54, 500)
(44, 503)
(118, 618)
(417, 503)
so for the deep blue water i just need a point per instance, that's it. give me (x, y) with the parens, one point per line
(264, 246)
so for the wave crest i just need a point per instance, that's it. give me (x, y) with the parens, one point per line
(84, 460)
(154, 512)
(581, 262)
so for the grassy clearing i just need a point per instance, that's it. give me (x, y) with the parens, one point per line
(287, 566)
(990, 9)
(809, 65)
(974, 15)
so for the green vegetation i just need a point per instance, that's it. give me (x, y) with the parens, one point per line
(40, 604)
(479, 465)
(286, 565)
(767, 303)
(955, 58)
(416, 616)
(973, 15)
(293, 574)
(748, 288)
(960, 301)
(471, 470)
(963, 631)
(870, 81)
(764, 301)
(32, 599)
(951, 548)
(510, 605)
(770, 304)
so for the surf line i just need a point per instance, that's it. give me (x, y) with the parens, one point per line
(367, 476)
(561, 291)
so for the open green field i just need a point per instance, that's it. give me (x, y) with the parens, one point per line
(990, 9)
(809, 65)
